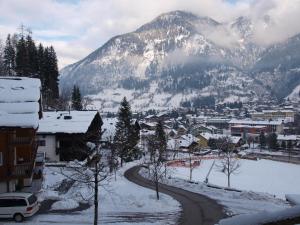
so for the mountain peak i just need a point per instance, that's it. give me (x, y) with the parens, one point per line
(180, 56)
(176, 18)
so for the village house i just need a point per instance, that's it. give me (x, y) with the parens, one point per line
(246, 131)
(220, 123)
(286, 114)
(20, 111)
(183, 143)
(63, 135)
(272, 126)
(198, 129)
(293, 139)
(205, 137)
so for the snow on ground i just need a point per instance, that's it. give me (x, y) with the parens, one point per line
(276, 178)
(65, 204)
(121, 202)
(258, 151)
(234, 202)
(262, 217)
(294, 96)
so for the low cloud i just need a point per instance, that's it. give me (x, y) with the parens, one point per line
(275, 20)
(76, 28)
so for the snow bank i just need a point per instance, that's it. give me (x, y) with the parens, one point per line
(65, 204)
(262, 217)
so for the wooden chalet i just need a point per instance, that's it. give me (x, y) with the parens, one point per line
(20, 111)
(63, 135)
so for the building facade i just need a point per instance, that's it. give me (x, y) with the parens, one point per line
(20, 111)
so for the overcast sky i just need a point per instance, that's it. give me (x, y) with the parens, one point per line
(77, 27)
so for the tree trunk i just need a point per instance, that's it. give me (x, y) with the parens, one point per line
(96, 195)
(228, 171)
(190, 166)
(165, 170)
(228, 180)
(156, 188)
(156, 184)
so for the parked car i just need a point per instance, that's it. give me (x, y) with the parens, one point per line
(18, 205)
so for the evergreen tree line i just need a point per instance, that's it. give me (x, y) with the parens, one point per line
(21, 56)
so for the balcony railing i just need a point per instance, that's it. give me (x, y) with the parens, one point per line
(22, 170)
(21, 141)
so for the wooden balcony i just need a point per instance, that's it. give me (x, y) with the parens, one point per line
(25, 169)
(22, 141)
(22, 170)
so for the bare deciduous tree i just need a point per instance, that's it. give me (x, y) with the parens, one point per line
(90, 172)
(229, 163)
(156, 146)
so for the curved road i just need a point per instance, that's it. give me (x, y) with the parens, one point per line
(196, 209)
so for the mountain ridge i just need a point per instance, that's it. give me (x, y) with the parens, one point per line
(179, 53)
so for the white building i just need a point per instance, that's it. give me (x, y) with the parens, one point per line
(59, 130)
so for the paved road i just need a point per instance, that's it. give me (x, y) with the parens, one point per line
(196, 209)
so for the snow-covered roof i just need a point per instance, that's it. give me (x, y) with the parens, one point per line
(149, 116)
(282, 137)
(56, 122)
(186, 140)
(183, 141)
(255, 122)
(278, 111)
(248, 126)
(208, 136)
(162, 114)
(182, 127)
(19, 102)
(108, 128)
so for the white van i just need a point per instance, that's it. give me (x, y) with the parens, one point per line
(18, 205)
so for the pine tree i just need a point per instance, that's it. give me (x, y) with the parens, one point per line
(272, 141)
(53, 79)
(76, 99)
(262, 139)
(9, 57)
(22, 59)
(125, 138)
(2, 65)
(32, 57)
(40, 64)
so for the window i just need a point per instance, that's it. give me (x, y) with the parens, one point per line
(1, 159)
(41, 142)
(12, 202)
(32, 199)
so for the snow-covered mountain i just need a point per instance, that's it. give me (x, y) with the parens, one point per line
(183, 59)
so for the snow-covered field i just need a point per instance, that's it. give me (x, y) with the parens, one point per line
(235, 203)
(121, 202)
(266, 176)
